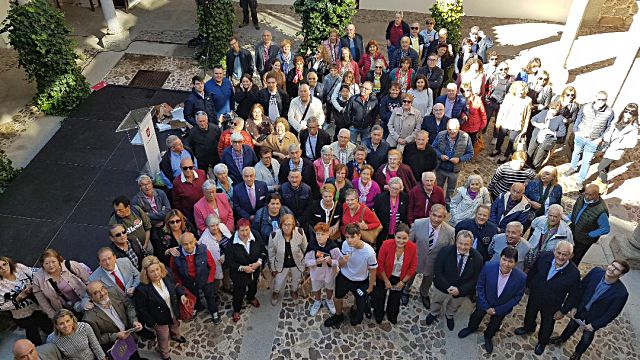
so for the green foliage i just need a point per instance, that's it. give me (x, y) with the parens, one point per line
(39, 32)
(7, 172)
(215, 23)
(448, 14)
(319, 16)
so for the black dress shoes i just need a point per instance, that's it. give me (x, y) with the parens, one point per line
(465, 332)
(450, 324)
(539, 349)
(426, 302)
(556, 340)
(522, 331)
(430, 319)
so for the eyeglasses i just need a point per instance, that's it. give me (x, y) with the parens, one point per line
(628, 111)
(543, 78)
(601, 99)
(571, 95)
(187, 168)
(414, 28)
(379, 67)
(236, 142)
(173, 222)
(117, 235)
(407, 101)
(503, 69)
(432, 59)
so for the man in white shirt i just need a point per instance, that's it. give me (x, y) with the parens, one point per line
(303, 107)
(357, 275)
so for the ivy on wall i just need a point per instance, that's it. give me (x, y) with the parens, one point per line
(40, 34)
(215, 24)
(7, 172)
(319, 16)
(448, 14)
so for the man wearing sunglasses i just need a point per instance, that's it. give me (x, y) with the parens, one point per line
(593, 121)
(134, 221)
(187, 188)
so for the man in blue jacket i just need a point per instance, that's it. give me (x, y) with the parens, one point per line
(599, 300)
(551, 281)
(511, 206)
(454, 105)
(221, 90)
(500, 288)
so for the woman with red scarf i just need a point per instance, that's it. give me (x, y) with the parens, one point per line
(296, 76)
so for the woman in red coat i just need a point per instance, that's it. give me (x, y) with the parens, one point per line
(397, 261)
(372, 54)
(477, 116)
(354, 212)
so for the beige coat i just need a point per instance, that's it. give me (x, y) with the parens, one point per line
(276, 249)
(514, 113)
(47, 297)
(404, 125)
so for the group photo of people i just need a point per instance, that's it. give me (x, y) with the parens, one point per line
(334, 178)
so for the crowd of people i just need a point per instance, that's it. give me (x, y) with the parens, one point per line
(339, 171)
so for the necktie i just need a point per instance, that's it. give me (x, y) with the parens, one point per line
(432, 237)
(118, 281)
(252, 197)
(460, 263)
(265, 56)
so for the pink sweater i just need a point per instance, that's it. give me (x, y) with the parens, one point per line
(202, 209)
(323, 272)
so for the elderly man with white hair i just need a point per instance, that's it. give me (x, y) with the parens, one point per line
(170, 162)
(152, 201)
(303, 107)
(237, 157)
(249, 195)
(512, 237)
(548, 230)
(343, 149)
(552, 279)
(454, 104)
(453, 147)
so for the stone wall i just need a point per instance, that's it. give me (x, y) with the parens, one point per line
(609, 15)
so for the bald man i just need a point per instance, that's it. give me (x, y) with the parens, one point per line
(589, 221)
(24, 349)
(303, 107)
(187, 188)
(510, 206)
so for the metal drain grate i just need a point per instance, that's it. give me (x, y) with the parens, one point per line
(149, 79)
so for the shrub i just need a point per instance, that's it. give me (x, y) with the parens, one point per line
(319, 16)
(448, 14)
(215, 24)
(39, 32)
(7, 172)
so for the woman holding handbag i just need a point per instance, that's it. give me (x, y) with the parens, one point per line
(391, 207)
(327, 210)
(157, 304)
(287, 247)
(355, 213)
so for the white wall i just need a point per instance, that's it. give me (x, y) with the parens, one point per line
(513, 9)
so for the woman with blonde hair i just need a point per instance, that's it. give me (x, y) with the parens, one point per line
(75, 340)
(287, 247)
(544, 190)
(473, 73)
(157, 303)
(319, 62)
(513, 119)
(467, 199)
(530, 70)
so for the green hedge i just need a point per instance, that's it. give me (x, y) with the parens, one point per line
(319, 16)
(40, 34)
(215, 24)
(7, 172)
(448, 14)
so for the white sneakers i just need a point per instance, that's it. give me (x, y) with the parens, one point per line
(315, 308)
(331, 306)
(317, 304)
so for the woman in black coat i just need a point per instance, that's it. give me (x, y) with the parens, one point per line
(317, 212)
(244, 96)
(386, 204)
(296, 76)
(156, 289)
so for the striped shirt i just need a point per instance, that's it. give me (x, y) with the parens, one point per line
(506, 176)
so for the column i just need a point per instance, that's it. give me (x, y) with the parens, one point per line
(576, 14)
(109, 11)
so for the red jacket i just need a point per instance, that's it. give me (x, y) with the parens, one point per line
(225, 140)
(365, 64)
(185, 194)
(418, 200)
(477, 116)
(369, 217)
(386, 258)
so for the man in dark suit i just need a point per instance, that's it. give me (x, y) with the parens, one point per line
(551, 281)
(353, 42)
(271, 94)
(244, 257)
(316, 88)
(198, 100)
(434, 74)
(244, 58)
(237, 157)
(599, 300)
(499, 289)
(249, 195)
(312, 139)
(455, 275)
(265, 51)
(457, 103)
(111, 315)
(304, 165)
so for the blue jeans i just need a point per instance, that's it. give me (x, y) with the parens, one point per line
(588, 149)
(364, 133)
